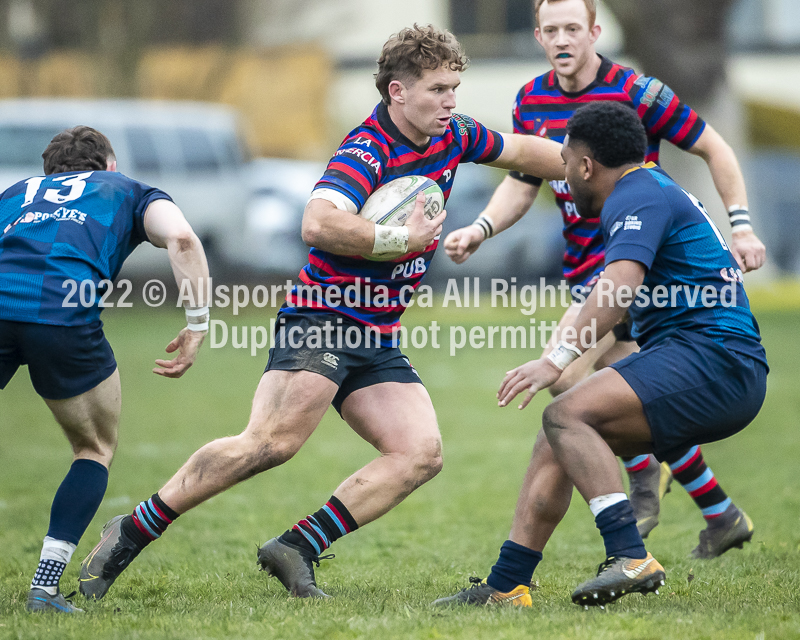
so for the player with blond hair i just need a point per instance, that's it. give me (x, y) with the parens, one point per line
(414, 130)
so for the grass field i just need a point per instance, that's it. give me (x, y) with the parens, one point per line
(200, 580)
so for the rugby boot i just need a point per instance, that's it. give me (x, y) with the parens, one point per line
(732, 529)
(481, 594)
(620, 576)
(647, 488)
(40, 600)
(107, 560)
(292, 566)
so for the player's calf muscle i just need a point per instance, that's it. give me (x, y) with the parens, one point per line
(242, 457)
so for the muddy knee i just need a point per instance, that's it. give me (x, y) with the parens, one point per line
(424, 462)
(555, 420)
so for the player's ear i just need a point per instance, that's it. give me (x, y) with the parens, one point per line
(587, 168)
(537, 33)
(111, 164)
(594, 33)
(397, 91)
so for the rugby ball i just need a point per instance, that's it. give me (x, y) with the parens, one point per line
(394, 202)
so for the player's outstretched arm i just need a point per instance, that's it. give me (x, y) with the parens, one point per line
(604, 308)
(168, 229)
(748, 250)
(531, 155)
(510, 201)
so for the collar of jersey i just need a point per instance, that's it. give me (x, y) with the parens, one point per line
(602, 72)
(388, 125)
(646, 165)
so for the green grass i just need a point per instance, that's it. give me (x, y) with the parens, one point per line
(200, 580)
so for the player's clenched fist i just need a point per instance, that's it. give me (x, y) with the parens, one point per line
(748, 250)
(462, 243)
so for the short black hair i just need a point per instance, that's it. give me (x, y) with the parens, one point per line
(613, 132)
(80, 148)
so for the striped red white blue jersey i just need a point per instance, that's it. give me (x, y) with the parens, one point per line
(543, 108)
(372, 155)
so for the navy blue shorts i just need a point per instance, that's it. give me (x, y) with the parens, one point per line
(63, 362)
(694, 390)
(346, 355)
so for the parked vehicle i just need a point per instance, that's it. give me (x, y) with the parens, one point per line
(280, 188)
(190, 150)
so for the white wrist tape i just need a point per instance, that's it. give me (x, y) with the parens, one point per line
(485, 224)
(739, 217)
(564, 354)
(197, 319)
(390, 240)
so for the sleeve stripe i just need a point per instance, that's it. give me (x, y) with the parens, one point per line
(685, 128)
(666, 115)
(496, 147)
(352, 172)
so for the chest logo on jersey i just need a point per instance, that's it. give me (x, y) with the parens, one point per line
(60, 214)
(559, 187)
(365, 156)
(463, 122)
(632, 223)
(410, 268)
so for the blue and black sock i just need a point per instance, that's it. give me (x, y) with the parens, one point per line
(320, 530)
(617, 525)
(148, 521)
(691, 471)
(514, 567)
(77, 500)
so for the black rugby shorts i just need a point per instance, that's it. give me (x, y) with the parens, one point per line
(346, 354)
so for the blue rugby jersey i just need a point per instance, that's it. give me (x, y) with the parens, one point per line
(372, 155)
(652, 220)
(77, 226)
(542, 108)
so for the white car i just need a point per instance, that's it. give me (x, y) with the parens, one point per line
(280, 189)
(190, 150)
